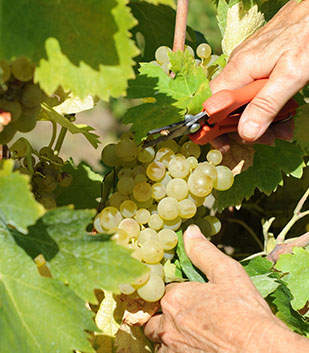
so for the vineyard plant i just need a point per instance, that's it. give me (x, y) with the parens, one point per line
(85, 254)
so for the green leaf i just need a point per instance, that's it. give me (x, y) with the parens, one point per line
(174, 97)
(281, 299)
(83, 46)
(265, 173)
(85, 187)
(83, 261)
(295, 267)
(47, 113)
(257, 266)
(18, 207)
(163, 2)
(37, 314)
(192, 273)
(265, 284)
(301, 127)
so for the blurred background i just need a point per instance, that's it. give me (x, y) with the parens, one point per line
(105, 117)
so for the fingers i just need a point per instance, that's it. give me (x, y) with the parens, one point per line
(262, 110)
(221, 143)
(217, 266)
(153, 328)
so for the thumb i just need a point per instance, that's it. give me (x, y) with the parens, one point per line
(206, 256)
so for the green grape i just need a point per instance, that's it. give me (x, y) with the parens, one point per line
(31, 96)
(152, 251)
(128, 208)
(197, 200)
(177, 188)
(48, 202)
(24, 170)
(140, 178)
(146, 235)
(172, 144)
(215, 224)
(190, 50)
(157, 268)
(153, 290)
(208, 169)
(126, 150)
(142, 192)
(139, 169)
(120, 236)
(20, 148)
(7, 134)
(142, 216)
(214, 157)
(225, 178)
(173, 224)
(203, 51)
(126, 289)
(161, 54)
(110, 218)
(179, 167)
(167, 238)
(155, 222)
(23, 69)
(117, 198)
(164, 155)
(169, 254)
(56, 98)
(109, 156)
(126, 185)
(130, 226)
(187, 209)
(137, 252)
(200, 184)
(64, 179)
(12, 107)
(158, 191)
(125, 172)
(145, 155)
(46, 152)
(155, 171)
(49, 183)
(25, 124)
(139, 281)
(193, 162)
(168, 208)
(190, 148)
(5, 70)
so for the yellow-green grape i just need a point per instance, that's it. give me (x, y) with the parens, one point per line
(126, 150)
(155, 222)
(146, 235)
(25, 161)
(142, 216)
(169, 254)
(125, 172)
(48, 202)
(30, 112)
(167, 178)
(64, 179)
(110, 217)
(214, 157)
(109, 156)
(215, 224)
(152, 251)
(153, 290)
(128, 135)
(193, 162)
(145, 155)
(200, 184)
(126, 185)
(128, 208)
(190, 50)
(203, 225)
(164, 155)
(167, 238)
(56, 98)
(117, 198)
(22, 69)
(139, 169)
(137, 252)
(213, 58)
(158, 191)
(126, 289)
(25, 124)
(120, 236)
(5, 70)
(161, 54)
(157, 268)
(20, 148)
(177, 188)
(203, 51)
(12, 107)
(142, 192)
(31, 96)
(197, 62)
(179, 167)
(190, 148)
(46, 152)
(225, 178)
(23, 170)
(155, 171)
(141, 280)
(187, 209)
(173, 224)
(172, 144)
(154, 62)
(130, 226)
(207, 169)
(143, 204)
(140, 178)
(97, 225)
(168, 208)
(166, 68)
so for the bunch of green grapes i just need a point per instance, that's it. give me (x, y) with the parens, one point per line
(203, 51)
(159, 190)
(45, 169)
(21, 97)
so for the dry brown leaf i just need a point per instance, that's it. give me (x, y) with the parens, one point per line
(131, 339)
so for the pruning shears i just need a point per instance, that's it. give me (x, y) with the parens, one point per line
(220, 115)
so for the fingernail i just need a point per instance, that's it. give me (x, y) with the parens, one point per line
(251, 129)
(193, 231)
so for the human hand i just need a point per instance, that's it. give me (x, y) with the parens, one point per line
(227, 314)
(280, 51)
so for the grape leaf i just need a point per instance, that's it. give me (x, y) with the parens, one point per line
(265, 284)
(173, 97)
(295, 267)
(301, 127)
(18, 207)
(83, 261)
(50, 114)
(83, 46)
(281, 299)
(85, 187)
(37, 314)
(164, 2)
(132, 339)
(265, 173)
(257, 266)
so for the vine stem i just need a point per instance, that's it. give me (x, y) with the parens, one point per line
(60, 139)
(54, 133)
(297, 215)
(181, 25)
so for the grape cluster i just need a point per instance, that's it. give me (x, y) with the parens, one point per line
(159, 190)
(44, 168)
(21, 97)
(203, 51)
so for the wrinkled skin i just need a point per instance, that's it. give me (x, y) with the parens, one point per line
(280, 51)
(225, 315)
